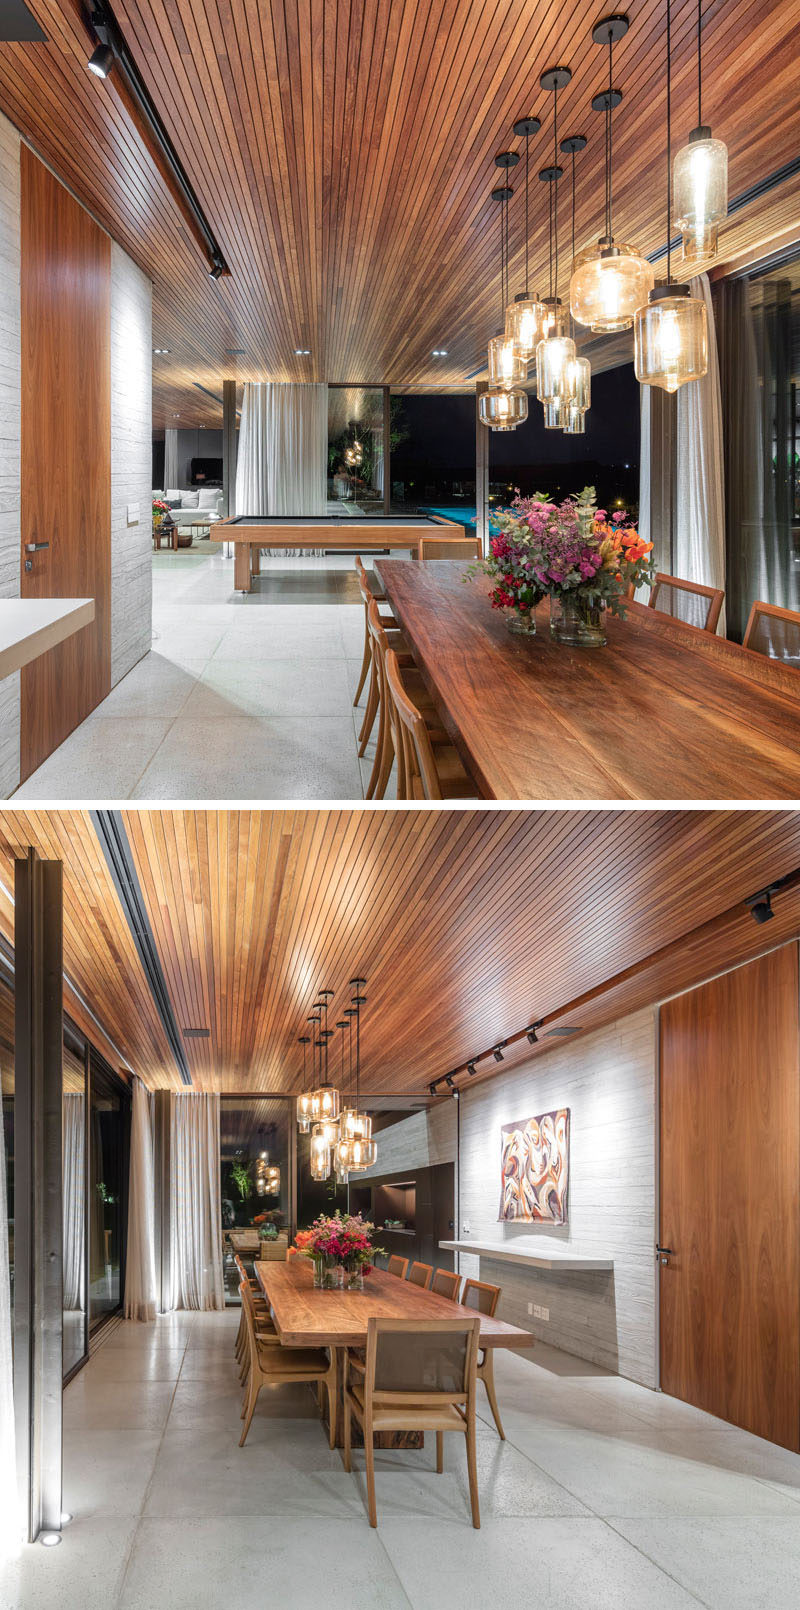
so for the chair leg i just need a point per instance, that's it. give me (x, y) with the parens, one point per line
(365, 663)
(369, 1454)
(251, 1403)
(332, 1383)
(487, 1376)
(379, 751)
(370, 713)
(386, 759)
(472, 1470)
(439, 1452)
(347, 1437)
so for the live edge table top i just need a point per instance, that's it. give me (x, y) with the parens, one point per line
(306, 1317)
(664, 711)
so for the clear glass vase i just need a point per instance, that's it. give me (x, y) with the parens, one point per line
(354, 1279)
(331, 1275)
(521, 621)
(576, 622)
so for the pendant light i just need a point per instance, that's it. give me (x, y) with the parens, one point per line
(319, 1155)
(326, 1099)
(354, 1153)
(525, 316)
(506, 367)
(700, 178)
(503, 410)
(503, 407)
(347, 1113)
(609, 281)
(305, 1098)
(670, 333)
(579, 372)
(556, 350)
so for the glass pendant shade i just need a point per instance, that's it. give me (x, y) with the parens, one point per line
(579, 383)
(304, 1111)
(330, 1130)
(554, 356)
(700, 193)
(608, 284)
(352, 1123)
(574, 422)
(503, 410)
(325, 1102)
(506, 367)
(670, 339)
(361, 1154)
(525, 326)
(320, 1156)
(554, 415)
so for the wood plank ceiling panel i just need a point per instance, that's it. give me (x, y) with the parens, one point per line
(466, 926)
(342, 152)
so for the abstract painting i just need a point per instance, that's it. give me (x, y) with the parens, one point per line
(535, 1169)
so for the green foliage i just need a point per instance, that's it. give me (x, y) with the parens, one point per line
(240, 1174)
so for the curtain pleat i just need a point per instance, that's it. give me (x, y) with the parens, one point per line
(140, 1260)
(73, 1189)
(700, 510)
(171, 460)
(195, 1206)
(282, 463)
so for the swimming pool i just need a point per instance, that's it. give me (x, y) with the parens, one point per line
(463, 512)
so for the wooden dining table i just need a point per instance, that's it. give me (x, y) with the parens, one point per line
(307, 1317)
(663, 711)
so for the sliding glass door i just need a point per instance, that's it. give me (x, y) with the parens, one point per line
(109, 1108)
(256, 1181)
(73, 1192)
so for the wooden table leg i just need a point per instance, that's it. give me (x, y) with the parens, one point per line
(241, 566)
(255, 560)
(383, 1439)
(175, 537)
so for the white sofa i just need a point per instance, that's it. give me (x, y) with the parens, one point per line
(205, 501)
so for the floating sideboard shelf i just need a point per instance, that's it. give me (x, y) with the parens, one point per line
(538, 1257)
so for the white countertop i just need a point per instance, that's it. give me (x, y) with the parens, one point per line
(539, 1254)
(31, 626)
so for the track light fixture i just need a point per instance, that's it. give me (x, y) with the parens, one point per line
(761, 906)
(448, 1079)
(498, 1052)
(531, 1035)
(471, 1069)
(101, 61)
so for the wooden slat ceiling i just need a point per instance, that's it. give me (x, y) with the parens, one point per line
(342, 152)
(466, 925)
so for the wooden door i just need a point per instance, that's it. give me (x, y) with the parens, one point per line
(730, 1171)
(66, 451)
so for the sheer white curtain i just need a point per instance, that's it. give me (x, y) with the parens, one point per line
(140, 1261)
(73, 1192)
(171, 460)
(282, 464)
(10, 1524)
(700, 510)
(195, 1206)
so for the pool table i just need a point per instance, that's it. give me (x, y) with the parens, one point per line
(249, 533)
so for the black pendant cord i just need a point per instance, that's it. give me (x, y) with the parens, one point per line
(555, 183)
(550, 225)
(527, 179)
(699, 64)
(571, 320)
(669, 142)
(609, 192)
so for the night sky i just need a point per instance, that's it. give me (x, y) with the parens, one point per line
(441, 444)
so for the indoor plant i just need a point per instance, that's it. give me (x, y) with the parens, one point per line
(340, 1248)
(574, 553)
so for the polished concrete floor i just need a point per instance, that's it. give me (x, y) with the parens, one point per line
(244, 696)
(604, 1497)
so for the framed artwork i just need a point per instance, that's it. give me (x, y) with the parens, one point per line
(535, 1169)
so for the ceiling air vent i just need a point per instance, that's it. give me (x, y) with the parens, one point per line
(18, 27)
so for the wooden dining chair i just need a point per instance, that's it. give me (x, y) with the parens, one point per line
(385, 749)
(420, 1274)
(688, 601)
(368, 590)
(773, 631)
(272, 1364)
(397, 1266)
(261, 1309)
(446, 1282)
(479, 1294)
(449, 548)
(415, 1376)
(428, 765)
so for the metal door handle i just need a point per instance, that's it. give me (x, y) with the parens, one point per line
(33, 547)
(664, 1254)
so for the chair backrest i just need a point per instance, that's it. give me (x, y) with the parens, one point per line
(446, 1282)
(773, 631)
(433, 1361)
(479, 1294)
(449, 548)
(397, 1266)
(688, 601)
(420, 1274)
(417, 774)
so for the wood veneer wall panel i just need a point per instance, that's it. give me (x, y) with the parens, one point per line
(730, 1188)
(66, 450)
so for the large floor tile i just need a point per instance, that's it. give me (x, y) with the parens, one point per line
(118, 1405)
(750, 1563)
(270, 688)
(288, 1562)
(107, 1472)
(135, 1364)
(243, 758)
(564, 1564)
(155, 687)
(284, 1468)
(84, 1573)
(103, 759)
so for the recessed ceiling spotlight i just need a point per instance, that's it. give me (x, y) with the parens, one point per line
(302, 352)
(161, 351)
(439, 352)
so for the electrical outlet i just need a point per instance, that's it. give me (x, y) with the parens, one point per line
(530, 1308)
(544, 1313)
(537, 1312)
(465, 1227)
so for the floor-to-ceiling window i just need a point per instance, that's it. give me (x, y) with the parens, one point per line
(73, 1192)
(357, 460)
(109, 1108)
(256, 1182)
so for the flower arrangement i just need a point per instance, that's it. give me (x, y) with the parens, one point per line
(160, 509)
(571, 551)
(343, 1242)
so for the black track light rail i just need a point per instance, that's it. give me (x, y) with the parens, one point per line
(102, 24)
